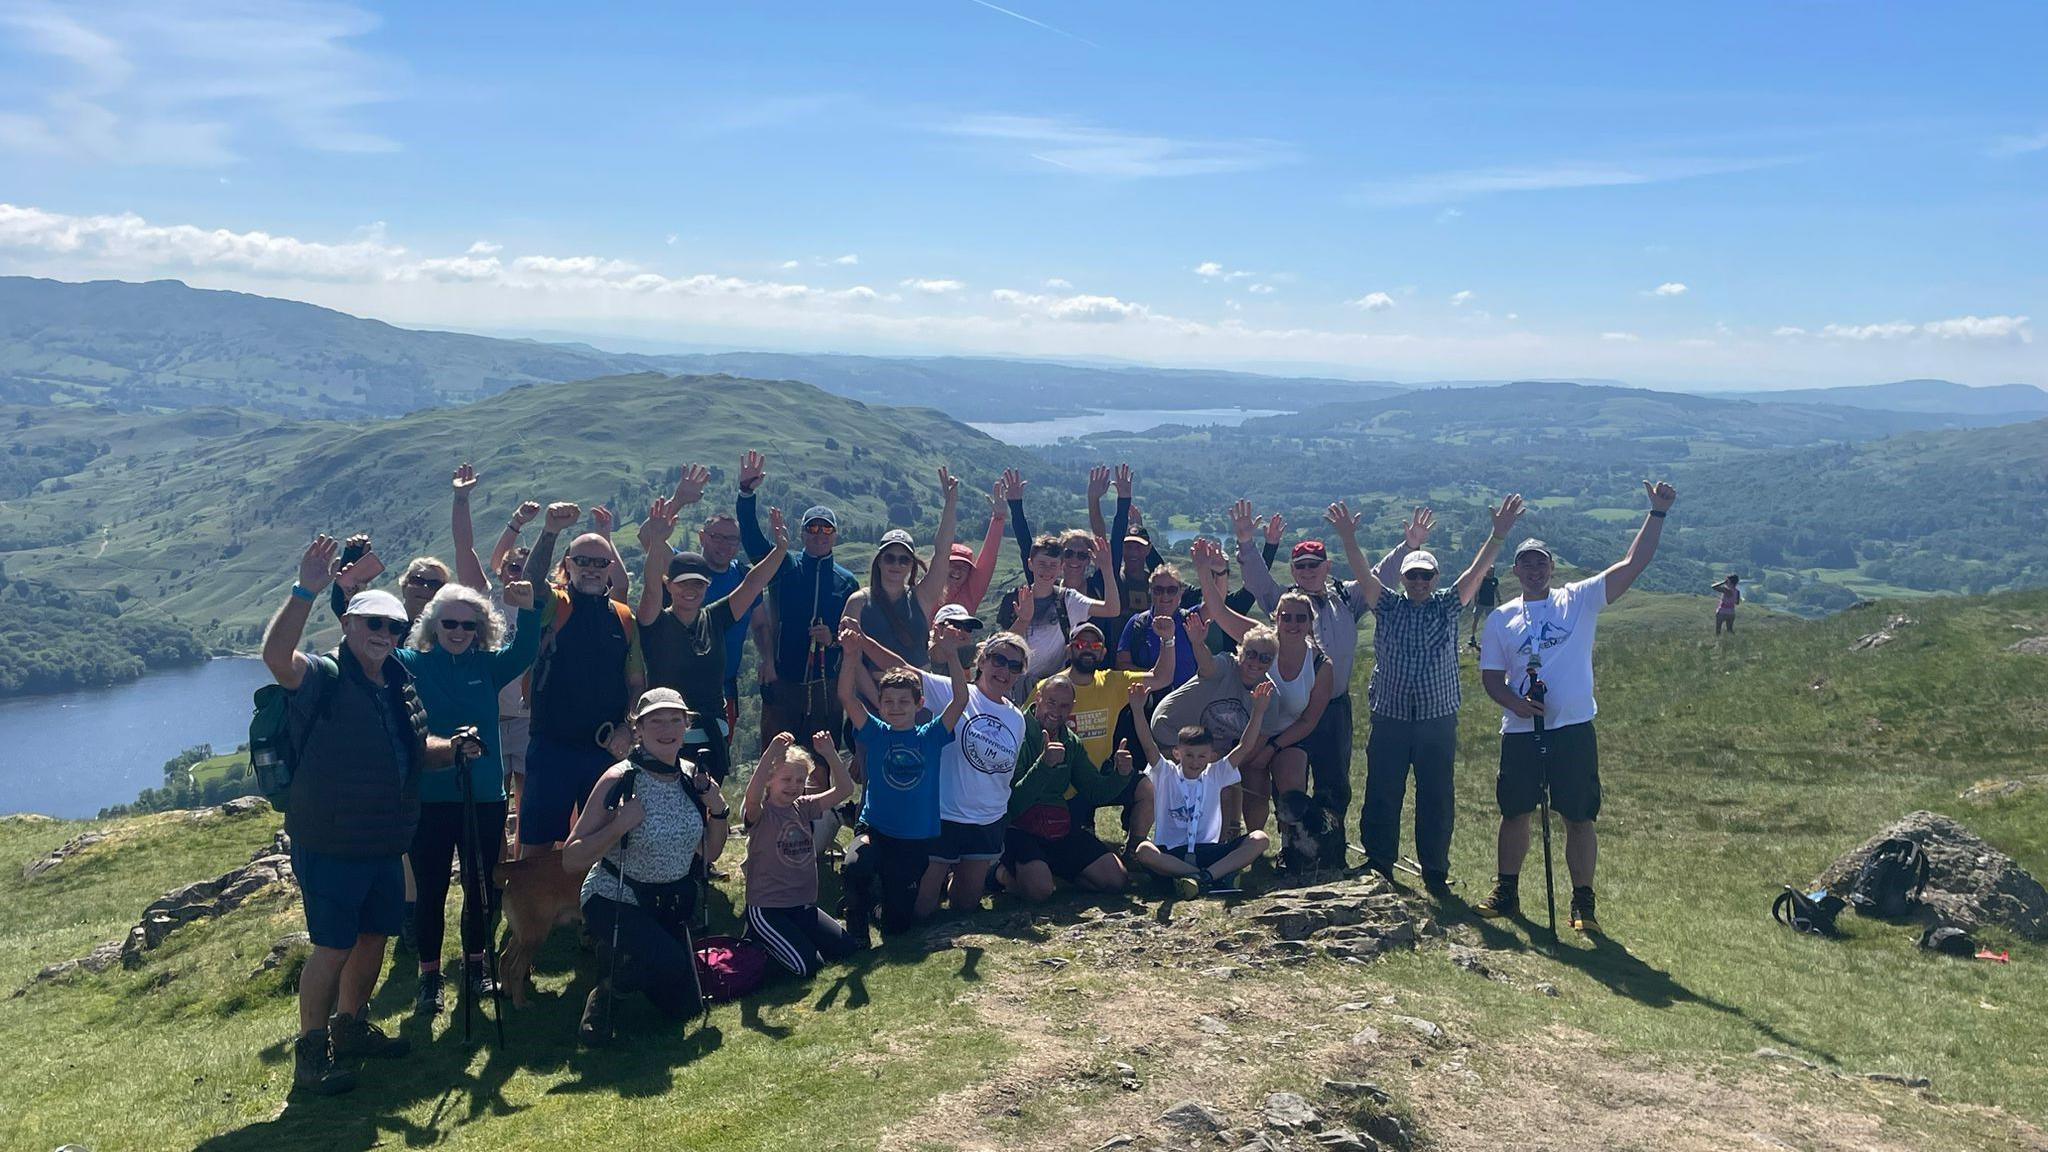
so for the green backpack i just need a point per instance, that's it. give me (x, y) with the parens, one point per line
(273, 748)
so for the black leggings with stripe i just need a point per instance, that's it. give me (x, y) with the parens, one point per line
(798, 937)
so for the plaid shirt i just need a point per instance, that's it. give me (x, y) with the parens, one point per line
(1415, 656)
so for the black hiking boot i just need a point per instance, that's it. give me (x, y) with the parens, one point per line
(313, 1069)
(1583, 918)
(477, 978)
(355, 1038)
(1437, 884)
(430, 1000)
(595, 1030)
(1505, 901)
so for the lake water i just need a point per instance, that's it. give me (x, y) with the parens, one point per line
(1030, 432)
(72, 754)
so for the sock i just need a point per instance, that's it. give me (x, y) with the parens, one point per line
(433, 967)
(1582, 890)
(1510, 882)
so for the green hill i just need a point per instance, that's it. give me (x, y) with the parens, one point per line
(207, 528)
(1731, 767)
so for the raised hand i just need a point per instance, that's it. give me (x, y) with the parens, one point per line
(1261, 695)
(1122, 476)
(1134, 695)
(1344, 520)
(1162, 627)
(690, 485)
(1027, 604)
(945, 637)
(949, 485)
(316, 567)
(778, 529)
(998, 498)
(601, 520)
(853, 639)
(1416, 534)
(519, 595)
(1098, 484)
(1123, 758)
(1206, 553)
(1054, 752)
(1241, 521)
(524, 514)
(1274, 528)
(1197, 621)
(561, 516)
(753, 470)
(1662, 495)
(1013, 484)
(1504, 517)
(660, 523)
(465, 479)
(821, 742)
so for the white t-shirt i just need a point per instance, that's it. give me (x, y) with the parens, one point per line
(1048, 643)
(1187, 812)
(977, 768)
(1559, 632)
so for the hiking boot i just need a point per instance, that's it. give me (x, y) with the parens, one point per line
(1437, 884)
(430, 1000)
(1583, 919)
(1505, 901)
(313, 1068)
(478, 979)
(595, 1029)
(355, 1038)
(1189, 887)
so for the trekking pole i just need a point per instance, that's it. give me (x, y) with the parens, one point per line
(620, 795)
(472, 890)
(1536, 693)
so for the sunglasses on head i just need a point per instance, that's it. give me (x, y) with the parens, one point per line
(1256, 656)
(1308, 562)
(591, 561)
(1294, 617)
(1009, 662)
(427, 582)
(452, 625)
(384, 624)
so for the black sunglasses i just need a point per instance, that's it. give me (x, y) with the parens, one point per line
(591, 561)
(1308, 562)
(1008, 662)
(1166, 589)
(385, 624)
(1256, 656)
(894, 558)
(1076, 553)
(512, 568)
(1294, 617)
(1418, 574)
(464, 625)
(427, 582)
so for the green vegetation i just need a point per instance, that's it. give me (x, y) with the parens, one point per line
(194, 778)
(1732, 765)
(52, 640)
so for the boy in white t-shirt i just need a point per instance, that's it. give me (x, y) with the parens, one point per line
(1187, 844)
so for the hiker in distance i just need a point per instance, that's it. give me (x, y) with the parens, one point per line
(352, 810)
(1554, 628)
(1730, 591)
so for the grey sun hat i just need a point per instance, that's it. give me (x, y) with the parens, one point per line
(1534, 545)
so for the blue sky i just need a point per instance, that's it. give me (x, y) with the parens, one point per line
(1740, 196)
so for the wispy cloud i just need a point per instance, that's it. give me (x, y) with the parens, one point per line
(933, 287)
(1036, 23)
(1471, 183)
(1979, 329)
(1091, 150)
(1461, 298)
(1085, 309)
(179, 82)
(1057, 282)
(2019, 145)
(1668, 288)
(846, 261)
(1620, 337)
(1372, 302)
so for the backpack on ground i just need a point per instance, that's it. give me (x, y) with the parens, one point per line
(274, 749)
(1813, 912)
(729, 967)
(1891, 879)
(1949, 941)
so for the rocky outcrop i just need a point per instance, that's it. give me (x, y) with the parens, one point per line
(1353, 919)
(60, 854)
(1347, 1116)
(1970, 884)
(209, 899)
(1882, 636)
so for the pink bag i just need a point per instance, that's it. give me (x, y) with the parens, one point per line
(729, 967)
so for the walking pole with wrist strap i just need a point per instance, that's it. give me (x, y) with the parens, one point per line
(1536, 693)
(472, 890)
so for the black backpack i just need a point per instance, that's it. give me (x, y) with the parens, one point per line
(1891, 880)
(1949, 941)
(1813, 912)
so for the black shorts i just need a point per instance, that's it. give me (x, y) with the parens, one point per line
(1067, 857)
(1572, 761)
(959, 842)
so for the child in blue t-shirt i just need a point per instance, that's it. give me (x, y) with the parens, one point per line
(899, 813)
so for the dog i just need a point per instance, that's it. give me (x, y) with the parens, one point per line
(539, 897)
(1305, 834)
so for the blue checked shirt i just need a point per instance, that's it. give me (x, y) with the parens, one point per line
(1415, 656)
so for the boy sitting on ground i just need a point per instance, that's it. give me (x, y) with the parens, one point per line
(899, 815)
(1187, 844)
(783, 916)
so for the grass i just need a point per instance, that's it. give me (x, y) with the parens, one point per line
(1731, 766)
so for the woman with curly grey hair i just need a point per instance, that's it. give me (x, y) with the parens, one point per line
(458, 668)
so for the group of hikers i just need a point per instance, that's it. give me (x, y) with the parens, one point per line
(596, 727)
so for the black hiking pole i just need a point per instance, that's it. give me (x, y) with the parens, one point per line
(472, 890)
(1536, 694)
(620, 794)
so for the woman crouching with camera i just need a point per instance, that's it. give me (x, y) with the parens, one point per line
(650, 822)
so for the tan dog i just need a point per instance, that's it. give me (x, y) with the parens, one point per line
(539, 898)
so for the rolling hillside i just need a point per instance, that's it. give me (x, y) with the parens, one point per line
(2005, 402)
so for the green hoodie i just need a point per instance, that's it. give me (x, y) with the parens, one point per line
(1075, 777)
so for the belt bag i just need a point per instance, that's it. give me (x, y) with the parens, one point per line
(1046, 821)
(673, 899)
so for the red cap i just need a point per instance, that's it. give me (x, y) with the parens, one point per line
(961, 552)
(1310, 548)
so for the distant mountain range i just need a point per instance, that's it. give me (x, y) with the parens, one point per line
(1944, 396)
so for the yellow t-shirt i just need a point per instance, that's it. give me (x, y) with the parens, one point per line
(1096, 708)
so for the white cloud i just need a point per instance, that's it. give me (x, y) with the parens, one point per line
(1448, 215)
(1896, 330)
(485, 248)
(1982, 328)
(129, 240)
(790, 265)
(179, 83)
(671, 239)
(1620, 337)
(1788, 330)
(933, 287)
(1084, 148)
(1461, 298)
(1262, 289)
(1056, 282)
(1209, 268)
(1514, 316)
(2020, 145)
(1465, 184)
(1372, 302)
(1668, 288)
(846, 261)
(1081, 308)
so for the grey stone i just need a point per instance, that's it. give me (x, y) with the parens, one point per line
(1548, 989)
(1898, 1078)
(1194, 1117)
(1355, 1006)
(60, 854)
(1120, 1140)
(1212, 1026)
(1427, 1029)
(1365, 1037)
(282, 951)
(1365, 1088)
(1342, 1140)
(1970, 884)
(1289, 1111)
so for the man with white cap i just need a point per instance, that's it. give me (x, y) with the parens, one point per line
(1552, 629)
(353, 806)
(1414, 693)
(809, 596)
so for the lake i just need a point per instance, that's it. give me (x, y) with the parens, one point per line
(74, 753)
(1026, 433)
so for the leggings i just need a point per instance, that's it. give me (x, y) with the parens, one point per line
(797, 936)
(435, 844)
(652, 958)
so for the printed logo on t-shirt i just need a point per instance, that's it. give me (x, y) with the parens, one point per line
(1225, 719)
(903, 767)
(988, 745)
(1091, 723)
(793, 843)
(1544, 637)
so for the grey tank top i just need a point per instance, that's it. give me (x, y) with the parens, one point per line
(660, 850)
(888, 626)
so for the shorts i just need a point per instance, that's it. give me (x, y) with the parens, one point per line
(559, 777)
(1203, 855)
(1573, 765)
(350, 896)
(1067, 857)
(958, 842)
(512, 737)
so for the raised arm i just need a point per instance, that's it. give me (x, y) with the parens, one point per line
(654, 534)
(1234, 623)
(991, 551)
(1258, 577)
(1160, 678)
(763, 574)
(931, 591)
(1644, 548)
(1142, 722)
(509, 538)
(753, 470)
(1013, 494)
(1120, 527)
(757, 787)
(1198, 638)
(950, 639)
(561, 516)
(849, 681)
(855, 643)
(468, 569)
(1098, 486)
(1248, 744)
(1345, 521)
(835, 767)
(281, 638)
(1414, 535)
(1504, 518)
(1111, 603)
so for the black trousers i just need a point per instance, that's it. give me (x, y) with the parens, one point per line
(435, 845)
(1329, 759)
(1431, 748)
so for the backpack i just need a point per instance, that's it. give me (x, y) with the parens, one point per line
(729, 967)
(274, 749)
(1891, 880)
(1813, 912)
(1949, 942)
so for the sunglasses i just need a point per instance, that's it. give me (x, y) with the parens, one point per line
(452, 625)
(1090, 646)
(896, 559)
(820, 529)
(1075, 553)
(721, 537)
(591, 561)
(426, 582)
(1166, 589)
(1418, 574)
(1009, 662)
(1294, 617)
(1256, 656)
(375, 624)
(1308, 562)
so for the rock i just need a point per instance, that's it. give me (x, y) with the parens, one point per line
(1342, 1140)
(1549, 989)
(1212, 1026)
(1882, 636)
(60, 854)
(1469, 960)
(1363, 1088)
(1365, 1037)
(1355, 1006)
(1225, 972)
(1969, 883)
(245, 806)
(2031, 646)
(1387, 1129)
(1262, 1142)
(1288, 1111)
(1194, 1118)
(1898, 1078)
(282, 951)
(1427, 1029)
(205, 900)
(1120, 1140)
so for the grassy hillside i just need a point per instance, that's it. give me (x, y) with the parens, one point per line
(1731, 767)
(208, 529)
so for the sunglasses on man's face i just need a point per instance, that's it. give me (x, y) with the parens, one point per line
(1308, 562)
(1166, 589)
(427, 583)
(721, 537)
(1294, 617)
(453, 625)
(1418, 575)
(591, 561)
(1009, 662)
(1090, 646)
(820, 529)
(384, 624)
